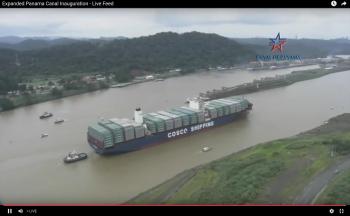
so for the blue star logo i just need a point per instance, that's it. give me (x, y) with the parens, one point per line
(277, 43)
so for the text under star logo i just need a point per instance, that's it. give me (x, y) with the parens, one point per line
(277, 43)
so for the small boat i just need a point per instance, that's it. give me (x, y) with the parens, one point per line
(74, 156)
(205, 149)
(44, 135)
(46, 115)
(58, 121)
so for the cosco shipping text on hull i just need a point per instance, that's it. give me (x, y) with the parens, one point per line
(116, 136)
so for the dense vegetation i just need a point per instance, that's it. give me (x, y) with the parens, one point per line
(8, 83)
(156, 53)
(31, 44)
(44, 89)
(273, 172)
(6, 104)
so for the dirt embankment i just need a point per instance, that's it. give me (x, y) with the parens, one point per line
(338, 124)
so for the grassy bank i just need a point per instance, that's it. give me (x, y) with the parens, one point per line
(338, 191)
(25, 100)
(39, 98)
(273, 172)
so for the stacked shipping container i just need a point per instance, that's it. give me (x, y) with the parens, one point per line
(114, 131)
(176, 118)
(191, 114)
(155, 124)
(101, 134)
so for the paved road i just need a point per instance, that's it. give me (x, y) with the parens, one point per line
(320, 181)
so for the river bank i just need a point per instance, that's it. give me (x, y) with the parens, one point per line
(27, 100)
(273, 82)
(272, 172)
(9, 103)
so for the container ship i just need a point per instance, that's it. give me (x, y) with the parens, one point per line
(117, 136)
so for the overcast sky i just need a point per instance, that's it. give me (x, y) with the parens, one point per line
(304, 23)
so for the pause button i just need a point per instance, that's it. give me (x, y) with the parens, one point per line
(9, 211)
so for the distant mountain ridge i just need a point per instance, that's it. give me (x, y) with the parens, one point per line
(128, 57)
(155, 53)
(31, 43)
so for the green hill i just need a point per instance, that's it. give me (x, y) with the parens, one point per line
(156, 53)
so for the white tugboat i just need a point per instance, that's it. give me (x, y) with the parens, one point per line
(46, 115)
(74, 156)
(206, 149)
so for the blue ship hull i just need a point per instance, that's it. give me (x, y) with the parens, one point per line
(147, 141)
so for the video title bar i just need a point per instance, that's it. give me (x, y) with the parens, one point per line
(172, 4)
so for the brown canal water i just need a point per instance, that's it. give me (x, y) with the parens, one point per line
(32, 170)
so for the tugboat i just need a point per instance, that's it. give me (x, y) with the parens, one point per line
(74, 156)
(44, 135)
(206, 149)
(58, 121)
(46, 115)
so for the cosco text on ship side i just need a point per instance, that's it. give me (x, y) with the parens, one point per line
(193, 128)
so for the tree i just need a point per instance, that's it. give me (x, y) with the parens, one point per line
(91, 86)
(30, 88)
(122, 76)
(62, 81)
(28, 100)
(103, 85)
(7, 83)
(57, 92)
(6, 104)
(22, 87)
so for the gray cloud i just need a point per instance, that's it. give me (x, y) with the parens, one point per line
(45, 29)
(309, 23)
(185, 18)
